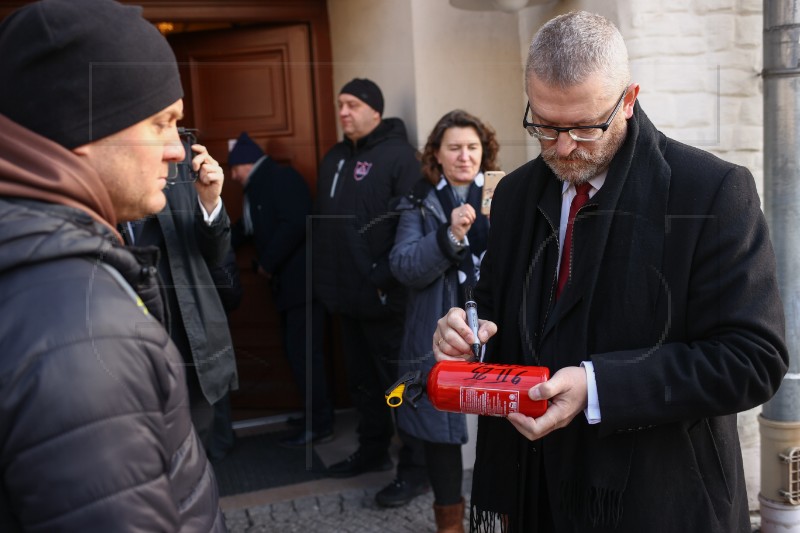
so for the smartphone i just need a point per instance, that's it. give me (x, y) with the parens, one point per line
(188, 138)
(490, 180)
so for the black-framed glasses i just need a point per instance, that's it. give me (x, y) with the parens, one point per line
(578, 133)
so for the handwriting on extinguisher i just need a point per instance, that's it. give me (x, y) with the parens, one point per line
(480, 373)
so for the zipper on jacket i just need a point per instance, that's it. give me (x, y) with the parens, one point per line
(336, 176)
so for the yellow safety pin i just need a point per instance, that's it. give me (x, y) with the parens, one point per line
(395, 397)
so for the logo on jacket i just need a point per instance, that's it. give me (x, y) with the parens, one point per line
(362, 169)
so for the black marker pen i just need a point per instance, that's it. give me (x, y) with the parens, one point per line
(472, 320)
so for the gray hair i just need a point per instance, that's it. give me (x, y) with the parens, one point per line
(570, 48)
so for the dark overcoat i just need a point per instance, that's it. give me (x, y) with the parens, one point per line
(280, 204)
(193, 249)
(673, 297)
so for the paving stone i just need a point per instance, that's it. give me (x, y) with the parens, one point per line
(351, 511)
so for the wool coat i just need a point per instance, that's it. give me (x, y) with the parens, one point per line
(424, 261)
(673, 297)
(197, 323)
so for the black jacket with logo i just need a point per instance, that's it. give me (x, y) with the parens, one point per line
(358, 189)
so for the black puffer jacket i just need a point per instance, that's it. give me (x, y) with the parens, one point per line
(95, 433)
(355, 221)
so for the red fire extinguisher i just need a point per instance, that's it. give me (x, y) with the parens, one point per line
(475, 388)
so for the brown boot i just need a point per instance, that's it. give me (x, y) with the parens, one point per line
(449, 518)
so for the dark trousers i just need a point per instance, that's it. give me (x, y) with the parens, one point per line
(371, 350)
(222, 437)
(201, 411)
(302, 342)
(445, 471)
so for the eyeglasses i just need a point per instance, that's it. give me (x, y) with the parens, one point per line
(578, 133)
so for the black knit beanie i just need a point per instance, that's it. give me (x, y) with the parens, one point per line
(76, 71)
(245, 151)
(366, 91)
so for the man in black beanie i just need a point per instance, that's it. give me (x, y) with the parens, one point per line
(94, 414)
(361, 179)
(277, 203)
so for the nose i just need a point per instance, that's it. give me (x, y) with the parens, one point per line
(463, 154)
(174, 151)
(565, 144)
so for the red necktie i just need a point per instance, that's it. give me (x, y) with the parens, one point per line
(579, 201)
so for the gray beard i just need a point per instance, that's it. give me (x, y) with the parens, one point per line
(582, 165)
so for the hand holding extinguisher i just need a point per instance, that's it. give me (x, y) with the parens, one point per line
(564, 393)
(473, 387)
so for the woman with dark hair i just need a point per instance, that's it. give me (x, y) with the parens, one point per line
(440, 241)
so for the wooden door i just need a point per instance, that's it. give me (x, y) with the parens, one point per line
(257, 80)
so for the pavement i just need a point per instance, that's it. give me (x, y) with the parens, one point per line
(338, 505)
(331, 505)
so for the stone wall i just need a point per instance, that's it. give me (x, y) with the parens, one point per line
(699, 64)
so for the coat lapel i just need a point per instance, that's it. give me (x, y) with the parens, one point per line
(541, 225)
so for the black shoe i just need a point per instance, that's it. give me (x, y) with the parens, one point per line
(298, 422)
(218, 452)
(218, 455)
(303, 438)
(400, 492)
(358, 463)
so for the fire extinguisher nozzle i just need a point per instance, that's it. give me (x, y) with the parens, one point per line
(395, 397)
(408, 384)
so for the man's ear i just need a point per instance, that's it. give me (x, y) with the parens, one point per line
(630, 99)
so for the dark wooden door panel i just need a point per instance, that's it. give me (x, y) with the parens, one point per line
(256, 80)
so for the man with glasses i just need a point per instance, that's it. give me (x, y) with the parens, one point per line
(645, 281)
